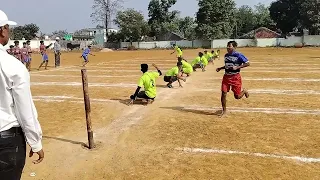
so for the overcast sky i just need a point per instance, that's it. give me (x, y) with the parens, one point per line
(52, 15)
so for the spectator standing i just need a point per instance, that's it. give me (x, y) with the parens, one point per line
(57, 52)
(18, 115)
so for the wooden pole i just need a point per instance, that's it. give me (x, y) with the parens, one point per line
(87, 107)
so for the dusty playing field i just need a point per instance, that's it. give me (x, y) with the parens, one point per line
(275, 134)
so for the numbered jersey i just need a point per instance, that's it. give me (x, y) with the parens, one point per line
(234, 59)
(148, 82)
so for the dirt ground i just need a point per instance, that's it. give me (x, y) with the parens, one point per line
(274, 134)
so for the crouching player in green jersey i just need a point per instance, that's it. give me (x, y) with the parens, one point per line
(148, 81)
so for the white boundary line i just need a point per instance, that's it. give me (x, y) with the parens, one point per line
(79, 76)
(220, 151)
(280, 72)
(257, 110)
(271, 91)
(80, 84)
(69, 99)
(276, 79)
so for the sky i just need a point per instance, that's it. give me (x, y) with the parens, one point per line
(73, 15)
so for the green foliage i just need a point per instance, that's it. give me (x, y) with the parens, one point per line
(215, 19)
(286, 14)
(187, 27)
(161, 20)
(249, 18)
(27, 31)
(310, 15)
(132, 24)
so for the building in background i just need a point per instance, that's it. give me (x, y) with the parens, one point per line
(260, 33)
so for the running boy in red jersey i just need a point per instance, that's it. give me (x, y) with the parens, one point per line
(30, 54)
(43, 51)
(234, 61)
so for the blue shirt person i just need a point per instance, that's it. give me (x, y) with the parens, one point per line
(85, 54)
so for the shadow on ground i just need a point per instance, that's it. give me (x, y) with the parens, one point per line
(126, 101)
(66, 140)
(201, 112)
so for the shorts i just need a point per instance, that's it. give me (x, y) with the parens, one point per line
(187, 70)
(142, 94)
(232, 81)
(85, 58)
(168, 78)
(45, 58)
(27, 60)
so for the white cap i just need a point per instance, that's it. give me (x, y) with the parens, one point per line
(57, 38)
(4, 20)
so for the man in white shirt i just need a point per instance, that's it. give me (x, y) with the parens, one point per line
(18, 115)
(57, 52)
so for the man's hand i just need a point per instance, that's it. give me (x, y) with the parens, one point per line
(218, 69)
(40, 154)
(180, 86)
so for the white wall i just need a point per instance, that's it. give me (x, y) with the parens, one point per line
(166, 44)
(312, 40)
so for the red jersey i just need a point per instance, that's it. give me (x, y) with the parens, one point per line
(16, 52)
(43, 49)
(29, 50)
(24, 53)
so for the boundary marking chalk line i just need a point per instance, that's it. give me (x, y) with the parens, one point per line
(80, 84)
(221, 151)
(79, 76)
(271, 91)
(275, 79)
(280, 72)
(256, 110)
(69, 99)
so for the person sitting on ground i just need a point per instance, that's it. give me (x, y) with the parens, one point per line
(216, 54)
(148, 81)
(186, 67)
(209, 56)
(174, 74)
(197, 63)
(178, 50)
(204, 61)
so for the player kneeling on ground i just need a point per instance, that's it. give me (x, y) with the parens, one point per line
(174, 74)
(209, 56)
(186, 67)
(197, 63)
(148, 81)
(234, 61)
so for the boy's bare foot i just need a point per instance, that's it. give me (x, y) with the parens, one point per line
(222, 114)
(246, 93)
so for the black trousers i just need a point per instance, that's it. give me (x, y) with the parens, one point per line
(12, 154)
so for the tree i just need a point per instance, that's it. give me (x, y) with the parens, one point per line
(310, 15)
(103, 11)
(187, 27)
(28, 31)
(215, 19)
(286, 14)
(60, 33)
(246, 20)
(161, 20)
(132, 24)
(262, 15)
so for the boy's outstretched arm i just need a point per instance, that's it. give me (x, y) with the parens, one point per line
(134, 96)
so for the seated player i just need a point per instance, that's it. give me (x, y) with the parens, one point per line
(216, 54)
(197, 63)
(186, 67)
(174, 74)
(209, 56)
(204, 61)
(11, 50)
(85, 54)
(148, 81)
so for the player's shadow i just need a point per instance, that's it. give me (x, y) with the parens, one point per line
(126, 101)
(195, 111)
(66, 140)
(161, 86)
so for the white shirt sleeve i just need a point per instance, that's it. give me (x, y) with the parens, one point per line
(25, 109)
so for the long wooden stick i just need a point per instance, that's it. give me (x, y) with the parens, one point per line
(87, 107)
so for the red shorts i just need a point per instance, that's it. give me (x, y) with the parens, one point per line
(232, 81)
